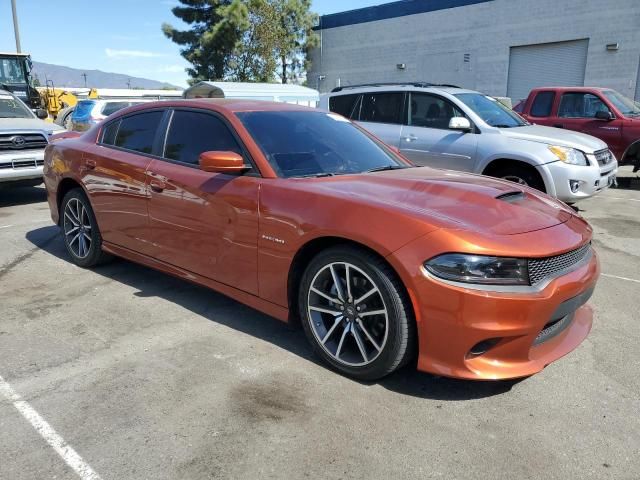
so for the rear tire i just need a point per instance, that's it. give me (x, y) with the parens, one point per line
(80, 230)
(528, 177)
(364, 327)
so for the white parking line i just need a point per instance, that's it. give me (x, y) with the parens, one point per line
(6, 226)
(55, 441)
(621, 278)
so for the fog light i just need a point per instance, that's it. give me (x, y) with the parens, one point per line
(482, 347)
(574, 185)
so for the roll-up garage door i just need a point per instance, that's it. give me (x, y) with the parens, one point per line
(546, 65)
(638, 84)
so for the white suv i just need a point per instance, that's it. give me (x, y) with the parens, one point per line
(453, 128)
(23, 138)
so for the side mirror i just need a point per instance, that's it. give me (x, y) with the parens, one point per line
(604, 115)
(222, 162)
(460, 123)
(41, 113)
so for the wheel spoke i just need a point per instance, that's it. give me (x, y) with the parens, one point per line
(337, 283)
(365, 296)
(348, 280)
(331, 330)
(67, 215)
(74, 239)
(344, 334)
(373, 312)
(368, 335)
(72, 230)
(324, 295)
(356, 335)
(325, 310)
(81, 246)
(87, 236)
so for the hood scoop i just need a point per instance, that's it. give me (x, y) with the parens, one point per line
(512, 197)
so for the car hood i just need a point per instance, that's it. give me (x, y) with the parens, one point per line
(20, 124)
(448, 199)
(555, 136)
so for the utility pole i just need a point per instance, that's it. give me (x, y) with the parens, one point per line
(129, 83)
(16, 30)
(84, 75)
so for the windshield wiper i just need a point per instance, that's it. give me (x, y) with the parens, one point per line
(384, 168)
(316, 175)
(501, 125)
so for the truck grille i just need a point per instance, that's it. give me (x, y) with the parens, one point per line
(22, 141)
(604, 157)
(22, 163)
(542, 268)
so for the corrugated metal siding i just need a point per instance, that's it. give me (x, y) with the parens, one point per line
(547, 64)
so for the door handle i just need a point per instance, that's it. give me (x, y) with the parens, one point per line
(90, 164)
(558, 125)
(410, 138)
(157, 185)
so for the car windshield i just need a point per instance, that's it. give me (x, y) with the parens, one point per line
(622, 103)
(315, 143)
(491, 110)
(11, 107)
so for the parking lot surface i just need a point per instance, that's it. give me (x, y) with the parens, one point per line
(147, 377)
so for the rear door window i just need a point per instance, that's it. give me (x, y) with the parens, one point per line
(344, 105)
(137, 132)
(192, 133)
(542, 104)
(109, 132)
(382, 107)
(113, 107)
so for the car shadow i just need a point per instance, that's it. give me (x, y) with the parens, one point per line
(628, 183)
(226, 311)
(12, 196)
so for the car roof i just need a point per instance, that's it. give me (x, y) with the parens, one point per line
(410, 87)
(228, 105)
(573, 89)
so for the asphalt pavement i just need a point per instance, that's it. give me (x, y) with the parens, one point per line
(125, 373)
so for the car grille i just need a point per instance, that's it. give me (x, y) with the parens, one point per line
(22, 163)
(18, 141)
(604, 157)
(543, 268)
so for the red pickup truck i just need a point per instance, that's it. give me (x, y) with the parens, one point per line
(601, 112)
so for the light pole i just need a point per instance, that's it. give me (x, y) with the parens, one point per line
(15, 25)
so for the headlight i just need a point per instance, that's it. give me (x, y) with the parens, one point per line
(482, 269)
(569, 155)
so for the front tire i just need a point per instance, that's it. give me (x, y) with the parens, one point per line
(528, 177)
(356, 313)
(80, 230)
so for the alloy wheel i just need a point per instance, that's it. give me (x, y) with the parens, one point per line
(347, 314)
(77, 228)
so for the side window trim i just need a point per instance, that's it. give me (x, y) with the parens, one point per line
(132, 114)
(254, 172)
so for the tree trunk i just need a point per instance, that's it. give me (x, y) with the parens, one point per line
(284, 69)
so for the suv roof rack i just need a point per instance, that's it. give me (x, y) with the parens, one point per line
(386, 84)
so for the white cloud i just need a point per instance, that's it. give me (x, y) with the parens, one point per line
(112, 53)
(171, 68)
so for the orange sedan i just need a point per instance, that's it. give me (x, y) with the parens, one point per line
(302, 215)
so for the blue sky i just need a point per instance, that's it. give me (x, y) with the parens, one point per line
(121, 36)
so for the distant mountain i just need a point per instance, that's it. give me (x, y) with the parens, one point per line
(72, 77)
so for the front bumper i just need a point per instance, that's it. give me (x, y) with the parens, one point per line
(526, 331)
(591, 179)
(25, 165)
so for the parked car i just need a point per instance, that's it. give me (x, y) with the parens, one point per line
(452, 128)
(87, 113)
(601, 112)
(302, 214)
(23, 137)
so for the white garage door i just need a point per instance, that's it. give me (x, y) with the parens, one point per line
(638, 84)
(546, 65)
